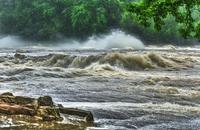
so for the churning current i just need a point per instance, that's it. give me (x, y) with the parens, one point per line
(150, 89)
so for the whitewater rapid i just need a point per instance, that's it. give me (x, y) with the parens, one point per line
(153, 88)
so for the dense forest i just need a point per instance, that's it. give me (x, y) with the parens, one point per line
(53, 19)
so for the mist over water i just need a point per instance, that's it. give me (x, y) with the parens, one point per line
(116, 39)
(10, 42)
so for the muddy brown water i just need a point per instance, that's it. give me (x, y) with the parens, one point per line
(151, 89)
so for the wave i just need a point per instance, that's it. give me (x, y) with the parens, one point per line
(107, 61)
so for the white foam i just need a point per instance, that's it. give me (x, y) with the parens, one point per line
(116, 39)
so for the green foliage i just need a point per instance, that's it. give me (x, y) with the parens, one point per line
(95, 16)
(45, 19)
(31, 19)
(51, 19)
(185, 12)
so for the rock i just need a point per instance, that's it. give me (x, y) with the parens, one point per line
(18, 100)
(77, 112)
(89, 117)
(7, 94)
(42, 109)
(16, 110)
(19, 56)
(60, 105)
(49, 113)
(45, 101)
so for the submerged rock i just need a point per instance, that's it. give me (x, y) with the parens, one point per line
(19, 56)
(41, 110)
(7, 94)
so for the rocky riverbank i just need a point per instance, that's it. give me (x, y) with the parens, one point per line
(20, 112)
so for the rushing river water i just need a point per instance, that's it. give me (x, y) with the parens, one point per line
(150, 89)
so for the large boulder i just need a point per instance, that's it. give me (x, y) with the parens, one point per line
(45, 101)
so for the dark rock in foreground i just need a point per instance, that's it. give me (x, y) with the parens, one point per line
(27, 112)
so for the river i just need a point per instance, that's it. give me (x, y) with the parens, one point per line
(157, 88)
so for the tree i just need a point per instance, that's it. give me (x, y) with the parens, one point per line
(185, 12)
(95, 16)
(44, 19)
(31, 19)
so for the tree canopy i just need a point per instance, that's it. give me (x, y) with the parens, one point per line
(52, 19)
(185, 12)
(44, 19)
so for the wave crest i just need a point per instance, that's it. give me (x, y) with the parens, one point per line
(126, 61)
